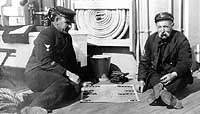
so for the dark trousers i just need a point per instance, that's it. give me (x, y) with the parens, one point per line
(53, 88)
(176, 85)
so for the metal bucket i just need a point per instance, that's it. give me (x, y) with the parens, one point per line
(100, 65)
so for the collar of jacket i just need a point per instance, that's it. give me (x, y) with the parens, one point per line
(58, 33)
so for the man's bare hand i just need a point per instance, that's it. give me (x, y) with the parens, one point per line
(168, 78)
(73, 77)
(140, 86)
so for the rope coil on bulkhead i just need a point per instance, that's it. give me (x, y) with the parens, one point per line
(107, 24)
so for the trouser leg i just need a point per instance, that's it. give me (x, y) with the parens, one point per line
(39, 80)
(54, 94)
(153, 80)
(174, 86)
(165, 91)
(53, 89)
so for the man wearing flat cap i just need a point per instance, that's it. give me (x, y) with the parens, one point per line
(165, 65)
(52, 70)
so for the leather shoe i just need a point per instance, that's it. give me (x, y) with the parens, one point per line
(151, 98)
(155, 93)
(157, 89)
(170, 100)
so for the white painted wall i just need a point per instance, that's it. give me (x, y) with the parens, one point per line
(156, 6)
(190, 20)
(193, 21)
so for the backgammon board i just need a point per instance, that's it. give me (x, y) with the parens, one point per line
(109, 93)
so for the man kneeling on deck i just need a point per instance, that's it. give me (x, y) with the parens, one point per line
(165, 65)
(52, 69)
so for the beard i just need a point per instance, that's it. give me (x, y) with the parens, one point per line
(164, 35)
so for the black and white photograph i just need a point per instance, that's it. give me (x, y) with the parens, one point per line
(99, 57)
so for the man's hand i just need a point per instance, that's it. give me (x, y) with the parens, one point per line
(166, 79)
(73, 77)
(140, 86)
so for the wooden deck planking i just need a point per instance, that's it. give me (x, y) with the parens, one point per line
(195, 110)
(190, 98)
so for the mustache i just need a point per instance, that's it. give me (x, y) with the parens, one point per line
(164, 34)
(68, 28)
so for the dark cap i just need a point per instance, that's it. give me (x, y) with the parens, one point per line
(164, 16)
(64, 12)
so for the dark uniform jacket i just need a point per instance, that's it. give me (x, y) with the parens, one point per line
(176, 57)
(53, 51)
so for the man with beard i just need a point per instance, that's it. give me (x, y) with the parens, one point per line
(165, 65)
(52, 70)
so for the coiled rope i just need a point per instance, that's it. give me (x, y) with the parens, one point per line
(9, 100)
(107, 24)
